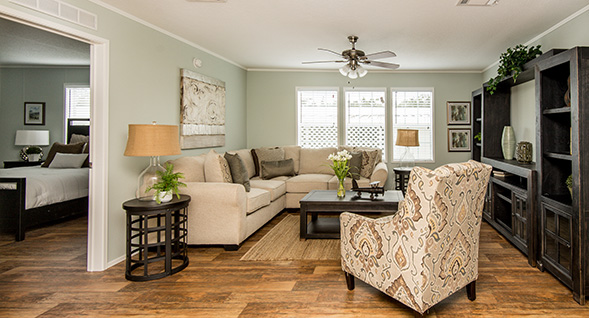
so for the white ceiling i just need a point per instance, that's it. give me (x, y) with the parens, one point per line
(427, 35)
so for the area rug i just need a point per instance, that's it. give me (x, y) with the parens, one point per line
(282, 243)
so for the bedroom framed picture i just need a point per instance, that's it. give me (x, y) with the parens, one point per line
(458, 139)
(458, 113)
(34, 113)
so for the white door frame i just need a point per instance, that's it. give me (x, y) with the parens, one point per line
(99, 77)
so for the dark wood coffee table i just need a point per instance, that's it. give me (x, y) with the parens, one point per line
(327, 202)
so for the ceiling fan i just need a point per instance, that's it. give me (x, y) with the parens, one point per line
(354, 58)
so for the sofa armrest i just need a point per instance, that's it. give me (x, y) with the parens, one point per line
(380, 173)
(217, 213)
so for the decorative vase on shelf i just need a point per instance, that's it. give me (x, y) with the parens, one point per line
(508, 142)
(523, 152)
(341, 191)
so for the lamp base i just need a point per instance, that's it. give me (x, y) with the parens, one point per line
(147, 179)
(407, 159)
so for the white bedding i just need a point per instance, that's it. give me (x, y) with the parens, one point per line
(47, 186)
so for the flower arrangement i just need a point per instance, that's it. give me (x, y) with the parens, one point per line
(340, 168)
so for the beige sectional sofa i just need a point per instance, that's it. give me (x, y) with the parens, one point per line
(224, 213)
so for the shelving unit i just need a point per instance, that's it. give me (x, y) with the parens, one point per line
(561, 143)
(476, 120)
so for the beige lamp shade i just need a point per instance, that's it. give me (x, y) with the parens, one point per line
(152, 140)
(407, 137)
(31, 138)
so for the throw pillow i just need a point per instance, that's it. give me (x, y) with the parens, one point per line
(75, 138)
(86, 150)
(68, 160)
(266, 154)
(355, 164)
(369, 159)
(271, 169)
(216, 168)
(62, 148)
(238, 171)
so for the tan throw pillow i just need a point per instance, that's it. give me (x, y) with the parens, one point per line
(369, 159)
(271, 169)
(266, 154)
(217, 168)
(238, 171)
(62, 148)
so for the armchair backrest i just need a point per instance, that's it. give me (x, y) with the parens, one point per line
(442, 214)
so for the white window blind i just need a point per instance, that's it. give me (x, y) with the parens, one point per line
(365, 118)
(413, 109)
(77, 101)
(317, 117)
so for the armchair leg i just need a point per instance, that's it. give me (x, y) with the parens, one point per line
(471, 290)
(349, 280)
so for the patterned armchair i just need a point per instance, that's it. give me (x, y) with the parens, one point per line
(429, 249)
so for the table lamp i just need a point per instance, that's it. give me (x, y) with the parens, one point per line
(407, 138)
(151, 141)
(31, 138)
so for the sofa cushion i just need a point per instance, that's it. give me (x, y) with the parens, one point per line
(271, 169)
(266, 154)
(238, 171)
(277, 188)
(256, 199)
(308, 182)
(248, 161)
(216, 168)
(369, 160)
(315, 160)
(294, 153)
(193, 167)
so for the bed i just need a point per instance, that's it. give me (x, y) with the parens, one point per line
(31, 196)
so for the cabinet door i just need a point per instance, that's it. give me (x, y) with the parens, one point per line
(519, 212)
(556, 241)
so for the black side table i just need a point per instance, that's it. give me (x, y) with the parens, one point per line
(156, 238)
(16, 164)
(401, 178)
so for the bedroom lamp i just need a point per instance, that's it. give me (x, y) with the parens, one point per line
(151, 141)
(407, 138)
(30, 138)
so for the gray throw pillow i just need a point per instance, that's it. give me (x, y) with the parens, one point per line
(355, 164)
(266, 154)
(271, 169)
(238, 170)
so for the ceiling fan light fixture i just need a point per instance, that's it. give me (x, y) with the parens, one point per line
(361, 71)
(344, 70)
(353, 74)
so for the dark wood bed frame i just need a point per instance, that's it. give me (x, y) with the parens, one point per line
(16, 219)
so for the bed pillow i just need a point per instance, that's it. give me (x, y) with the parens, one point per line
(68, 160)
(75, 138)
(62, 148)
(239, 172)
(271, 169)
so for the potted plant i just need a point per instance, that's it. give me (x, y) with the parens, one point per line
(477, 137)
(33, 153)
(512, 62)
(167, 185)
(569, 183)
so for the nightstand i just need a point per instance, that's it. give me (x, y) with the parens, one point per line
(16, 164)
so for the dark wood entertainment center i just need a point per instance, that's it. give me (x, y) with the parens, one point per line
(532, 206)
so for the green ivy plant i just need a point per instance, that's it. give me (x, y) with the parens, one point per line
(478, 136)
(513, 61)
(169, 181)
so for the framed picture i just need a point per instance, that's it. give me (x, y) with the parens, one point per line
(458, 139)
(458, 113)
(34, 113)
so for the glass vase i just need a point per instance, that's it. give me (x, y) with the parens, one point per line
(341, 191)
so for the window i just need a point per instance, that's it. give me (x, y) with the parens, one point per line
(77, 101)
(413, 109)
(317, 117)
(365, 118)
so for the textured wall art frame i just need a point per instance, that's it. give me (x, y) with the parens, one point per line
(202, 111)
(458, 113)
(459, 139)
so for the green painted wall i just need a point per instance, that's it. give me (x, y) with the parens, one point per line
(22, 85)
(144, 86)
(271, 100)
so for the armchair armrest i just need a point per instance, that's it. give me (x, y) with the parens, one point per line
(217, 213)
(380, 173)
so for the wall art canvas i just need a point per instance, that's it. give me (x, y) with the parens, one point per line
(458, 113)
(202, 111)
(34, 113)
(458, 140)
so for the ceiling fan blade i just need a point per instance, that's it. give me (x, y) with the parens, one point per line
(314, 62)
(380, 55)
(330, 51)
(382, 64)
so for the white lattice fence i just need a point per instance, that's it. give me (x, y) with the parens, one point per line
(366, 136)
(312, 136)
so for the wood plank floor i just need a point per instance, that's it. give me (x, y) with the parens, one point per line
(45, 276)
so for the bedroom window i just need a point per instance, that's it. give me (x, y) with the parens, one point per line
(413, 109)
(317, 117)
(77, 101)
(365, 118)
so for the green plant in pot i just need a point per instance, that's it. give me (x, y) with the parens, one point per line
(512, 62)
(34, 153)
(569, 183)
(477, 137)
(167, 185)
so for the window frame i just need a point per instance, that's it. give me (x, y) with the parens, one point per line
(297, 107)
(66, 105)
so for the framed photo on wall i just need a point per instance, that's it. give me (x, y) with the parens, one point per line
(458, 113)
(458, 139)
(34, 113)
